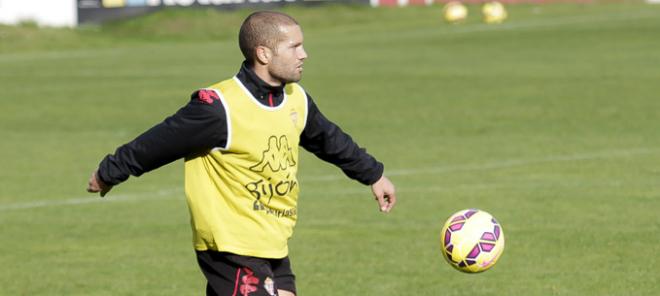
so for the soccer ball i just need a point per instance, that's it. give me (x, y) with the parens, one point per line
(494, 12)
(472, 241)
(454, 12)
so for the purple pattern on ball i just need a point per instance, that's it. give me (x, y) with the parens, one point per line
(470, 262)
(461, 264)
(486, 247)
(456, 226)
(469, 213)
(450, 248)
(497, 232)
(458, 218)
(494, 221)
(447, 237)
(448, 253)
(488, 236)
(474, 253)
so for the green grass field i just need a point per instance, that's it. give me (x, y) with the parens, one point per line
(549, 121)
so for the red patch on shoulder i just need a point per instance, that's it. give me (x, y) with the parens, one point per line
(207, 96)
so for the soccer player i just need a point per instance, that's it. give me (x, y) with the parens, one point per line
(240, 140)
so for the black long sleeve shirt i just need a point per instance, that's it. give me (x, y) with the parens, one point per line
(202, 125)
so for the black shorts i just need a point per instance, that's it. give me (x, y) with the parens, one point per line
(229, 274)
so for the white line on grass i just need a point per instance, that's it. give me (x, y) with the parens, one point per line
(502, 164)
(157, 195)
(509, 163)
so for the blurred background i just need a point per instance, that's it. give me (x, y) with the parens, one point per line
(543, 113)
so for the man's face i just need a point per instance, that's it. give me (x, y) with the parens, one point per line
(287, 62)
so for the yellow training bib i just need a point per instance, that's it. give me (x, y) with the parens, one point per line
(243, 197)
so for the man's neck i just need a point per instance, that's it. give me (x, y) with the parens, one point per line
(259, 88)
(265, 76)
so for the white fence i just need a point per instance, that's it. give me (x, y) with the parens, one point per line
(54, 13)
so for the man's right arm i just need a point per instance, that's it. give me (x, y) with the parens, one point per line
(199, 126)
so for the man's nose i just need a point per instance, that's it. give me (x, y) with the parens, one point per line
(302, 54)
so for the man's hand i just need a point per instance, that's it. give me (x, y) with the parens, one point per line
(384, 193)
(96, 185)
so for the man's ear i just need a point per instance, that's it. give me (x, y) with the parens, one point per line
(263, 55)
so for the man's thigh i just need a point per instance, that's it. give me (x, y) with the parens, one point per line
(285, 293)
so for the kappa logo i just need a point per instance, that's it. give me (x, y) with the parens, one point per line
(249, 282)
(277, 157)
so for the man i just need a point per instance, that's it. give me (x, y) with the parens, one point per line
(240, 140)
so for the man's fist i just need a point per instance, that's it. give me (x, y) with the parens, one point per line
(384, 193)
(95, 185)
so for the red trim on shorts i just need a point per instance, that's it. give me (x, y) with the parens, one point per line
(238, 273)
(270, 99)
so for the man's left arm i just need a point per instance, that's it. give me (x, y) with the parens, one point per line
(328, 142)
